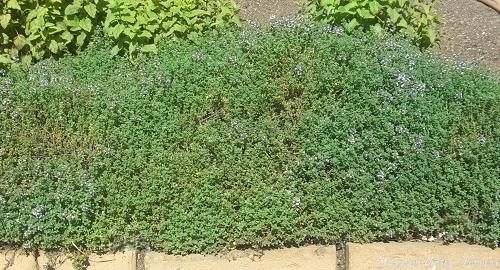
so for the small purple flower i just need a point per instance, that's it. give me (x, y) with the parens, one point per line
(351, 139)
(482, 140)
(299, 71)
(418, 142)
(296, 203)
(37, 212)
(234, 123)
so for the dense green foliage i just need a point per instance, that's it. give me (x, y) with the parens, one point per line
(292, 135)
(40, 29)
(414, 18)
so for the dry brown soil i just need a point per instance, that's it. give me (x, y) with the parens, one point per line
(471, 30)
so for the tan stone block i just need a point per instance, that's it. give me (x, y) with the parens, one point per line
(421, 255)
(117, 261)
(304, 258)
(17, 260)
(55, 260)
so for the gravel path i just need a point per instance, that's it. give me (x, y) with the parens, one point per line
(262, 11)
(471, 30)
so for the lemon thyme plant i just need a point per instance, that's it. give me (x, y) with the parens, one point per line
(296, 134)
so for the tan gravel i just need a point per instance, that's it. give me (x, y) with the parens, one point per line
(471, 30)
(263, 11)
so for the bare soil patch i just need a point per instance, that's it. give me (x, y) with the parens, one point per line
(471, 30)
(263, 11)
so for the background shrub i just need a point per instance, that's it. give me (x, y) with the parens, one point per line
(414, 18)
(137, 25)
(293, 135)
(40, 29)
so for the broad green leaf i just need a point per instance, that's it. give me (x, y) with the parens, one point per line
(352, 5)
(91, 10)
(432, 36)
(75, 28)
(324, 3)
(5, 39)
(66, 35)
(131, 47)
(129, 19)
(149, 48)
(168, 24)
(4, 20)
(13, 52)
(365, 14)
(393, 14)
(145, 34)
(115, 50)
(35, 25)
(151, 27)
(177, 28)
(197, 13)
(374, 7)
(26, 60)
(129, 33)
(5, 59)
(352, 25)
(175, 10)
(71, 10)
(72, 23)
(55, 29)
(80, 39)
(19, 42)
(53, 47)
(402, 23)
(86, 24)
(142, 19)
(117, 30)
(13, 4)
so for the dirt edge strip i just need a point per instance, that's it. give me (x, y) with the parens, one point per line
(342, 259)
(139, 259)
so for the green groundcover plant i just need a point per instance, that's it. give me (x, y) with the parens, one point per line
(297, 134)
